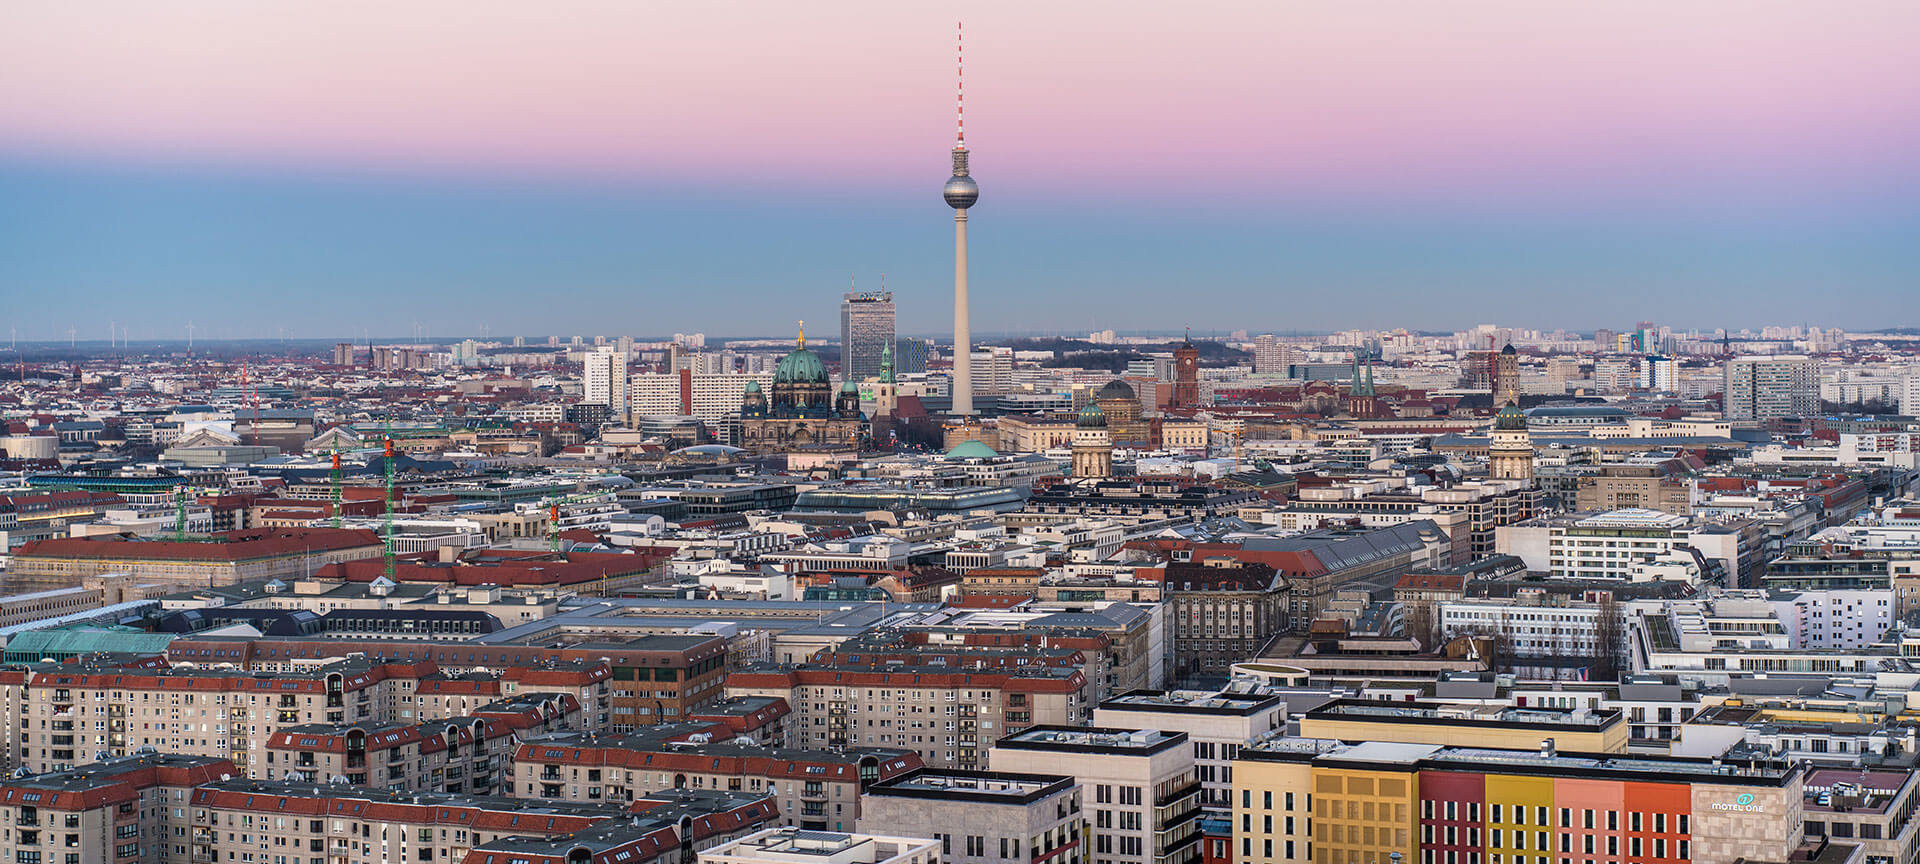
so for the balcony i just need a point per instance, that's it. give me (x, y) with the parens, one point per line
(203, 855)
(1173, 795)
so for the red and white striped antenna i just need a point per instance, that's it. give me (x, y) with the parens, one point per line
(960, 86)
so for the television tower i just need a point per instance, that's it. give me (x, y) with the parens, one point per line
(960, 193)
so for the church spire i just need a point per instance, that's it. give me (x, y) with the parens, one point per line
(886, 362)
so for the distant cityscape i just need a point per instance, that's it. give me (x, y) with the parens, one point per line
(1637, 594)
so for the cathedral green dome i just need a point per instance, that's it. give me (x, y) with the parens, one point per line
(850, 387)
(1510, 418)
(1091, 417)
(800, 367)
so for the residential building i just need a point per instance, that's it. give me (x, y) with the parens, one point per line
(1493, 727)
(818, 790)
(117, 811)
(1380, 802)
(1770, 387)
(983, 817)
(946, 716)
(1139, 783)
(653, 676)
(1218, 724)
(221, 559)
(792, 846)
(604, 382)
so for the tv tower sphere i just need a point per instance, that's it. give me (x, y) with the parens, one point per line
(960, 190)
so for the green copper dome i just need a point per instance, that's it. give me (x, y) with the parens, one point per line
(972, 450)
(1091, 417)
(850, 387)
(752, 387)
(1510, 418)
(800, 367)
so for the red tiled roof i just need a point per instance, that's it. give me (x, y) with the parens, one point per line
(230, 546)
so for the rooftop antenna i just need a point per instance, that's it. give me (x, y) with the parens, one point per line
(960, 86)
(189, 337)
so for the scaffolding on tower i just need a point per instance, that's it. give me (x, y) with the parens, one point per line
(180, 512)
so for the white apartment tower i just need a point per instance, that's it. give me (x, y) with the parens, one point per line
(606, 381)
(1762, 388)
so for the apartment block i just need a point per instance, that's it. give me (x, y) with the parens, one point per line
(815, 789)
(793, 846)
(1496, 727)
(983, 817)
(945, 716)
(68, 714)
(461, 756)
(123, 811)
(1143, 793)
(1382, 802)
(655, 677)
(239, 820)
(1218, 724)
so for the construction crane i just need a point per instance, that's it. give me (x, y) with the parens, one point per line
(553, 516)
(386, 533)
(337, 503)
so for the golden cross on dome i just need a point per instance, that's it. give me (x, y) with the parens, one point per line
(803, 334)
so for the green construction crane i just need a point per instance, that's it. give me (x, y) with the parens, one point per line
(553, 516)
(386, 539)
(336, 488)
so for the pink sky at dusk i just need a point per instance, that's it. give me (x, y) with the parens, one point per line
(1371, 99)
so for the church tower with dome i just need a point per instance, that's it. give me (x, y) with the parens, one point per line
(1092, 444)
(1124, 421)
(1510, 454)
(803, 410)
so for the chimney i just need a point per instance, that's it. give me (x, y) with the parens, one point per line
(1546, 748)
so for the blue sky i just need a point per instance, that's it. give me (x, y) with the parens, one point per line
(345, 167)
(247, 252)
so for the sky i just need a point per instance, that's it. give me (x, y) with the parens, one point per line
(731, 166)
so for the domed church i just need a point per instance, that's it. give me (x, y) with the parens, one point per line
(803, 410)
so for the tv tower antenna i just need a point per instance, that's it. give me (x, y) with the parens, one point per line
(960, 86)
